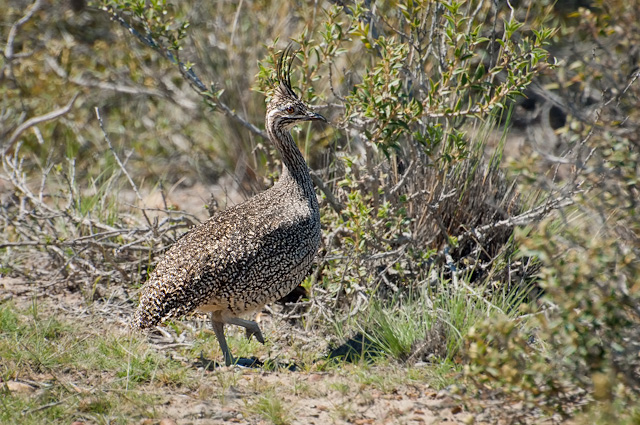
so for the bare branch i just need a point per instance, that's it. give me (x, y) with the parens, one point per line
(335, 204)
(35, 121)
(8, 50)
(528, 217)
(83, 81)
(190, 75)
(121, 165)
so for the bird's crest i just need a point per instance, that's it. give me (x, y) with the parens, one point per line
(284, 70)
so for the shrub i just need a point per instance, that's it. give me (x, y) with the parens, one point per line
(589, 251)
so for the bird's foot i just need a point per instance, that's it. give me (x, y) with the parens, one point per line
(228, 359)
(254, 331)
(252, 328)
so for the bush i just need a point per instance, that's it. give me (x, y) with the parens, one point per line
(589, 251)
(408, 185)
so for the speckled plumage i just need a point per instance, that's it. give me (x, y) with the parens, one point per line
(247, 255)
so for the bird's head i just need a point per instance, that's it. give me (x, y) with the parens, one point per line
(285, 109)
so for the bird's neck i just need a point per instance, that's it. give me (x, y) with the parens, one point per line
(294, 167)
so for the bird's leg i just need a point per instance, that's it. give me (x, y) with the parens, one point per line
(218, 329)
(252, 328)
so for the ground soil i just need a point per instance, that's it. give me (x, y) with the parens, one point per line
(308, 395)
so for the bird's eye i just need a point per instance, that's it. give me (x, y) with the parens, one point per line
(290, 110)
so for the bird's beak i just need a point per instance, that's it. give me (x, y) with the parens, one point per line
(315, 117)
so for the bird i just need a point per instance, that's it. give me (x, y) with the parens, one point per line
(249, 254)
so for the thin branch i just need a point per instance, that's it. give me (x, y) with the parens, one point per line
(189, 74)
(83, 81)
(121, 165)
(534, 214)
(403, 178)
(335, 204)
(8, 50)
(35, 121)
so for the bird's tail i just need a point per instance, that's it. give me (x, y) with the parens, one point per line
(142, 319)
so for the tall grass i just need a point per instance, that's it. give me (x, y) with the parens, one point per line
(429, 324)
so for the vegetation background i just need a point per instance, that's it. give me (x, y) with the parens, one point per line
(479, 187)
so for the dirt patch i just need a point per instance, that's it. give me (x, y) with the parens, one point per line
(312, 398)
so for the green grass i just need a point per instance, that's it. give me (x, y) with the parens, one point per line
(77, 372)
(434, 321)
(85, 369)
(270, 407)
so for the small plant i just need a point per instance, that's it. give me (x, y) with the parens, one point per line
(271, 407)
(226, 380)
